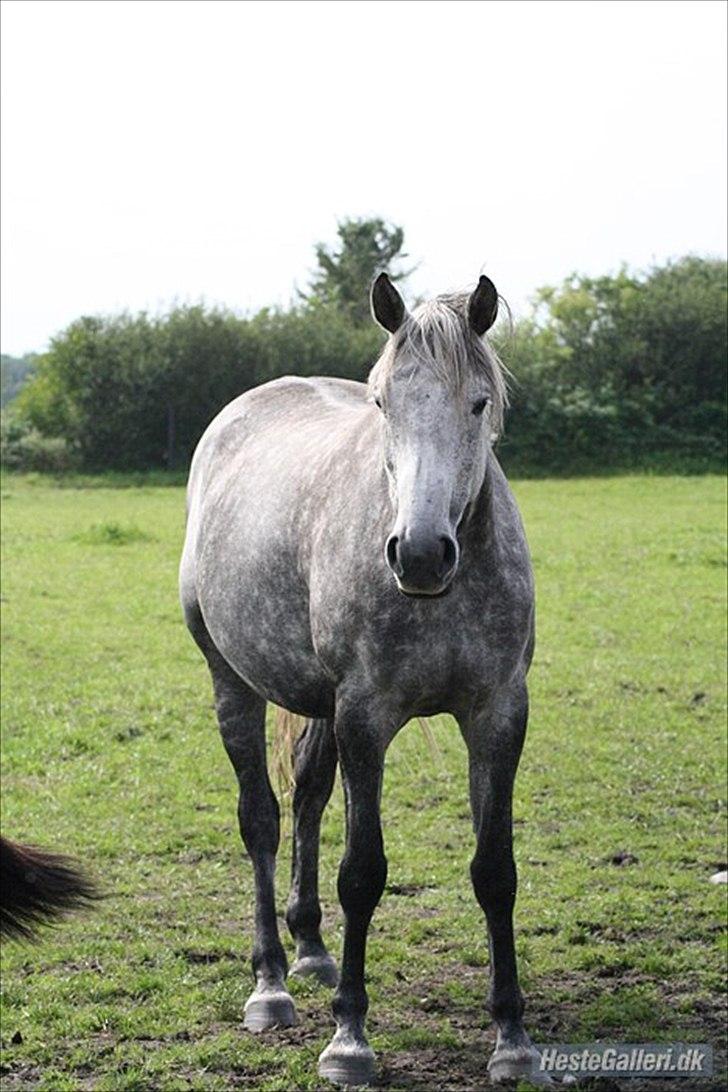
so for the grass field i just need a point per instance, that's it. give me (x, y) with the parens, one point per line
(111, 752)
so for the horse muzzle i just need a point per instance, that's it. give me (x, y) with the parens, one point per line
(422, 565)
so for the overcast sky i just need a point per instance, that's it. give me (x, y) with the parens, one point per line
(168, 151)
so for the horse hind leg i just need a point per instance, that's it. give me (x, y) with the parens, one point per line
(241, 716)
(314, 770)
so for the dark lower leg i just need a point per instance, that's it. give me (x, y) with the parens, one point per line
(315, 769)
(362, 878)
(494, 744)
(362, 875)
(258, 815)
(241, 715)
(493, 873)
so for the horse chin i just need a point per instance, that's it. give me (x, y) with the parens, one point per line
(421, 593)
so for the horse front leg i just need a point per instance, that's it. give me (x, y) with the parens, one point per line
(494, 737)
(348, 1059)
(241, 716)
(314, 772)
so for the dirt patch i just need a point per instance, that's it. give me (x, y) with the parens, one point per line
(19, 1076)
(192, 956)
(407, 890)
(441, 1007)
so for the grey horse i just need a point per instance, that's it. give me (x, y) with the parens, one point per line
(355, 555)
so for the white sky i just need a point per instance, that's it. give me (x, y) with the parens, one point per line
(168, 151)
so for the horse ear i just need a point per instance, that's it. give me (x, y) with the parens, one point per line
(483, 306)
(387, 305)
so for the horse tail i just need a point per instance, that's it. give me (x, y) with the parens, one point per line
(287, 730)
(37, 887)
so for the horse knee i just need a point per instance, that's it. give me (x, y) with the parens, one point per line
(309, 803)
(303, 916)
(314, 768)
(362, 877)
(494, 884)
(259, 819)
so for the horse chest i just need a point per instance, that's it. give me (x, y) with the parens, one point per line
(426, 656)
(442, 669)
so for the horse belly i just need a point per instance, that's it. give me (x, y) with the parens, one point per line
(258, 619)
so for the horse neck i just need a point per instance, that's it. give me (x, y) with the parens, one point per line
(482, 528)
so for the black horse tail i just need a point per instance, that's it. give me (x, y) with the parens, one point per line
(36, 887)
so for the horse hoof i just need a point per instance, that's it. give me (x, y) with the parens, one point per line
(321, 967)
(514, 1063)
(269, 1009)
(348, 1063)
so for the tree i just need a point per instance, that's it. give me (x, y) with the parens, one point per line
(205, 358)
(14, 374)
(366, 247)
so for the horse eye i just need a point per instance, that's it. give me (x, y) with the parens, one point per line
(480, 405)
(377, 401)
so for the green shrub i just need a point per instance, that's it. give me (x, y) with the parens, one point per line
(112, 533)
(23, 447)
(131, 392)
(610, 371)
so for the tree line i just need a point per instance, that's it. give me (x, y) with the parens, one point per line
(612, 371)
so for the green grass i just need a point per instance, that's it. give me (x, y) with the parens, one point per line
(111, 752)
(111, 533)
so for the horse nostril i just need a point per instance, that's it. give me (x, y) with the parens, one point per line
(392, 554)
(449, 555)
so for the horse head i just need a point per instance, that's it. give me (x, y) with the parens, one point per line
(441, 393)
